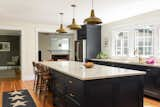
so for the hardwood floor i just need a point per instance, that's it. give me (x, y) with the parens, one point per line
(17, 77)
(10, 85)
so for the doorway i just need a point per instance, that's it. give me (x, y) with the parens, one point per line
(10, 54)
(53, 46)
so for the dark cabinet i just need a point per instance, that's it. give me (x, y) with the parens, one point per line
(92, 36)
(59, 101)
(67, 91)
(110, 92)
(151, 79)
(100, 93)
(60, 84)
(82, 33)
(128, 96)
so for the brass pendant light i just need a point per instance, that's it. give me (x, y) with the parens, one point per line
(93, 19)
(61, 29)
(74, 25)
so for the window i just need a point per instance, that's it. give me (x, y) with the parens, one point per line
(140, 40)
(121, 44)
(144, 42)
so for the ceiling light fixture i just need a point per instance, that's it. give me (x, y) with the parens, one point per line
(92, 19)
(61, 29)
(74, 25)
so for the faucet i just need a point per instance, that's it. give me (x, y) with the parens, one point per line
(140, 59)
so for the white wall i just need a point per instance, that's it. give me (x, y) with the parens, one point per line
(29, 42)
(151, 18)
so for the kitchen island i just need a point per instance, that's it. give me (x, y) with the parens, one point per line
(100, 86)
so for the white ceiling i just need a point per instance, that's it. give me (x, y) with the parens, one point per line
(46, 11)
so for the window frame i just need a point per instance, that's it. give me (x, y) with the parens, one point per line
(122, 54)
(144, 44)
(132, 42)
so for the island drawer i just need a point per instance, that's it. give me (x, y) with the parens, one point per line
(74, 88)
(60, 83)
(74, 84)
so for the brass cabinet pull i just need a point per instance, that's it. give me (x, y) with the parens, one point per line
(70, 81)
(72, 95)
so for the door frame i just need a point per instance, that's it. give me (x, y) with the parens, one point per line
(72, 39)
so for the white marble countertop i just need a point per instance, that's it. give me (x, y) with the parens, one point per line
(77, 70)
(128, 62)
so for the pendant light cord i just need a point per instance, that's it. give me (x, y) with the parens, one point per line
(92, 4)
(61, 15)
(73, 11)
(73, 6)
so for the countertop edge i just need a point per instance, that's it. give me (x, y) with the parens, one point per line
(129, 63)
(140, 73)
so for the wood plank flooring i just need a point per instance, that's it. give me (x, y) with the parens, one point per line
(19, 84)
(10, 85)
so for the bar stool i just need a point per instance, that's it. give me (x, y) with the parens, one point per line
(44, 78)
(35, 75)
(39, 77)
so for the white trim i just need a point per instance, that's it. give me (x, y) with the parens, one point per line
(37, 31)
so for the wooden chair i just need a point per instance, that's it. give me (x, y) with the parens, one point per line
(46, 78)
(43, 86)
(35, 74)
(39, 77)
(43, 78)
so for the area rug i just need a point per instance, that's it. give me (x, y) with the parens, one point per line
(7, 74)
(20, 98)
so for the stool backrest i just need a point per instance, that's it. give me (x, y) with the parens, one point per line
(34, 66)
(40, 68)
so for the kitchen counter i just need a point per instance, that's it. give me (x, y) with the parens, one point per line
(77, 70)
(128, 62)
(100, 86)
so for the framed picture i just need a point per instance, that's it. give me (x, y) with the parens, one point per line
(4, 46)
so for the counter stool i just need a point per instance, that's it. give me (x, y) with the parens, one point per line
(35, 75)
(38, 74)
(44, 77)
